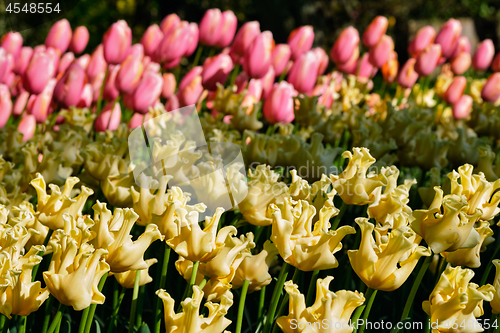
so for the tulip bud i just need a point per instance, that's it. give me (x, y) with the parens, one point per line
(110, 91)
(20, 103)
(463, 46)
(59, 36)
(278, 107)
(281, 55)
(491, 89)
(97, 63)
(169, 84)
(424, 37)
(27, 126)
(65, 61)
(40, 105)
(83, 61)
(172, 103)
(151, 39)
(109, 119)
(407, 75)
(6, 63)
(322, 59)
(258, 56)
(344, 47)
(448, 37)
(70, 86)
(148, 92)
(375, 31)
(350, 66)
(428, 59)
(97, 83)
(300, 40)
(129, 75)
(245, 37)
(379, 54)
(210, 27)
(390, 68)
(116, 42)
(463, 107)
(136, 121)
(169, 23)
(461, 63)
(304, 72)
(40, 70)
(192, 39)
(12, 42)
(455, 90)
(365, 69)
(174, 44)
(79, 40)
(86, 97)
(216, 70)
(21, 63)
(268, 82)
(228, 25)
(495, 65)
(5, 105)
(484, 55)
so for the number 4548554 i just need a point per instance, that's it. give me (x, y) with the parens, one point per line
(32, 8)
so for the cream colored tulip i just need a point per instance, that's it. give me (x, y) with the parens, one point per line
(495, 302)
(127, 279)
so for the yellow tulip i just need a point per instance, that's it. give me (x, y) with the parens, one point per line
(495, 302)
(24, 215)
(386, 265)
(189, 320)
(127, 279)
(485, 163)
(301, 245)
(455, 300)
(427, 193)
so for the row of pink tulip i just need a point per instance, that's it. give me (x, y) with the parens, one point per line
(47, 77)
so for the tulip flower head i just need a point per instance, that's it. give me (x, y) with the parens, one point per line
(300, 41)
(12, 43)
(151, 39)
(304, 72)
(216, 70)
(279, 107)
(381, 52)
(448, 37)
(79, 39)
(68, 89)
(281, 56)
(59, 36)
(258, 55)
(495, 302)
(228, 25)
(116, 42)
(245, 37)
(375, 31)
(345, 45)
(491, 89)
(484, 55)
(428, 59)
(455, 90)
(461, 63)
(424, 37)
(211, 27)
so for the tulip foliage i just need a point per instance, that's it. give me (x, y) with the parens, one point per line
(352, 196)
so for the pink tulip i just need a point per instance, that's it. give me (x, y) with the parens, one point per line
(65, 61)
(258, 56)
(59, 36)
(455, 90)
(379, 54)
(463, 46)
(407, 75)
(148, 92)
(268, 82)
(39, 105)
(304, 72)
(152, 67)
(461, 63)
(495, 65)
(245, 37)
(390, 68)
(86, 97)
(110, 92)
(365, 69)
(40, 70)
(6, 63)
(169, 23)
(192, 39)
(210, 27)
(350, 66)
(70, 86)
(174, 44)
(136, 121)
(344, 47)
(8, 79)
(129, 75)
(97, 83)
(194, 72)
(375, 31)
(172, 103)
(151, 39)
(463, 107)
(116, 42)
(491, 89)
(424, 37)
(109, 119)
(484, 55)
(279, 107)
(301, 40)
(20, 103)
(79, 40)
(322, 58)
(5, 105)
(97, 63)
(83, 61)
(228, 25)
(169, 85)
(54, 56)
(27, 126)
(136, 50)
(255, 89)
(448, 37)
(21, 63)
(190, 87)
(12, 42)
(216, 70)
(281, 55)
(428, 59)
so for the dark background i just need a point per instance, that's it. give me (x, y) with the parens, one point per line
(279, 16)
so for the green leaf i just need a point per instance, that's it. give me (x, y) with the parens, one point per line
(144, 328)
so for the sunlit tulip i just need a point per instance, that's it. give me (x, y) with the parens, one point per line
(365, 69)
(304, 72)
(174, 44)
(190, 87)
(281, 55)
(390, 68)
(136, 120)
(268, 82)
(79, 40)
(345, 45)
(279, 107)
(68, 89)
(22, 61)
(380, 53)
(109, 118)
(448, 37)
(300, 41)
(5, 105)
(97, 63)
(110, 92)
(169, 23)
(148, 91)
(228, 25)
(322, 59)
(350, 66)
(484, 55)
(130, 73)
(428, 59)
(375, 31)
(258, 55)
(210, 27)
(172, 103)
(463, 46)
(495, 303)
(27, 126)
(424, 37)
(40, 70)
(59, 36)
(455, 89)
(39, 105)
(87, 97)
(334, 308)
(456, 299)
(65, 61)
(116, 42)
(491, 89)
(12, 42)
(461, 63)
(151, 39)
(245, 37)
(470, 257)
(216, 70)
(192, 39)
(169, 85)
(20, 103)
(127, 279)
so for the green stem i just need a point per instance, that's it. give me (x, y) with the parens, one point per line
(488, 268)
(262, 298)
(211, 52)
(22, 328)
(359, 309)
(57, 319)
(135, 295)
(282, 76)
(4, 322)
(370, 294)
(116, 309)
(41, 253)
(383, 89)
(163, 279)
(83, 320)
(241, 306)
(192, 281)
(236, 69)
(197, 57)
(338, 218)
(276, 296)
(203, 282)
(310, 290)
(46, 319)
(140, 303)
(90, 318)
